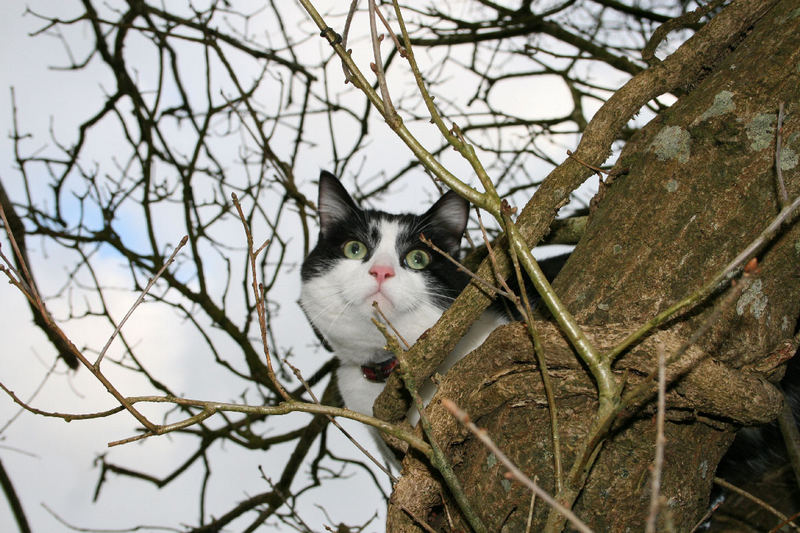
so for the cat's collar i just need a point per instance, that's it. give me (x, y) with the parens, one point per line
(379, 372)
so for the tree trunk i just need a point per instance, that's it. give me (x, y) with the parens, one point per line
(692, 189)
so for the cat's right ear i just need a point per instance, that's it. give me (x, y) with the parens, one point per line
(334, 203)
(449, 215)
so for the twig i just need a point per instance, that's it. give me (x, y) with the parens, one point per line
(490, 200)
(417, 519)
(290, 505)
(780, 525)
(32, 396)
(758, 501)
(526, 311)
(493, 289)
(700, 523)
(507, 292)
(643, 392)
(520, 476)
(211, 407)
(348, 75)
(730, 271)
(167, 428)
(258, 294)
(26, 275)
(386, 320)
(598, 170)
(132, 529)
(447, 512)
(437, 456)
(390, 113)
(530, 508)
(13, 501)
(289, 407)
(13, 224)
(333, 421)
(67, 417)
(400, 48)
(33, 296)
(423, 89)
(658, 462)
(687, 19)
(599, 366)
(139, 300)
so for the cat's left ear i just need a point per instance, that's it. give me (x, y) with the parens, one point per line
(334, 203)
(449, 216)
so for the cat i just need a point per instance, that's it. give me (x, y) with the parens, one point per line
(364, 256)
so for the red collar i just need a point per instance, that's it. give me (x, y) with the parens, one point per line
(379, 372)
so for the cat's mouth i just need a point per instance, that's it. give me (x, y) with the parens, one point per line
(380, 298)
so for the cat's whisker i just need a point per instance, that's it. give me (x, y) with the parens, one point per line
(325, 310)
(441, 296)
(341, 314)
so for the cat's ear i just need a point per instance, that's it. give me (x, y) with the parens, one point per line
(334, 203)
(449, 216)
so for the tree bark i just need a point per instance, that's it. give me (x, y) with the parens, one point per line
(692, 189)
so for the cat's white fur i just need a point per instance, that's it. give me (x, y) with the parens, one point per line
(339, 303)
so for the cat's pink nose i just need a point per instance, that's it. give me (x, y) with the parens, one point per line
(381, 272)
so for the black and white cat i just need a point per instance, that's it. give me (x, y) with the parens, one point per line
(364, 256)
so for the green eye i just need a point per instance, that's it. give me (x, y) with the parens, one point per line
(354, 250)
(418, 259)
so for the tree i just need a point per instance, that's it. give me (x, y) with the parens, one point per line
(651, 240)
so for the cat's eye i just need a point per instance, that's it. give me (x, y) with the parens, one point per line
(418, 259)
(354, 249)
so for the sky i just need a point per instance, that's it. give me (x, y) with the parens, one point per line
(52, 463)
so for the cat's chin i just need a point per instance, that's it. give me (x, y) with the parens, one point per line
(383, 302)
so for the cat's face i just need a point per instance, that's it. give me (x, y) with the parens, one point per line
(366, 256)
